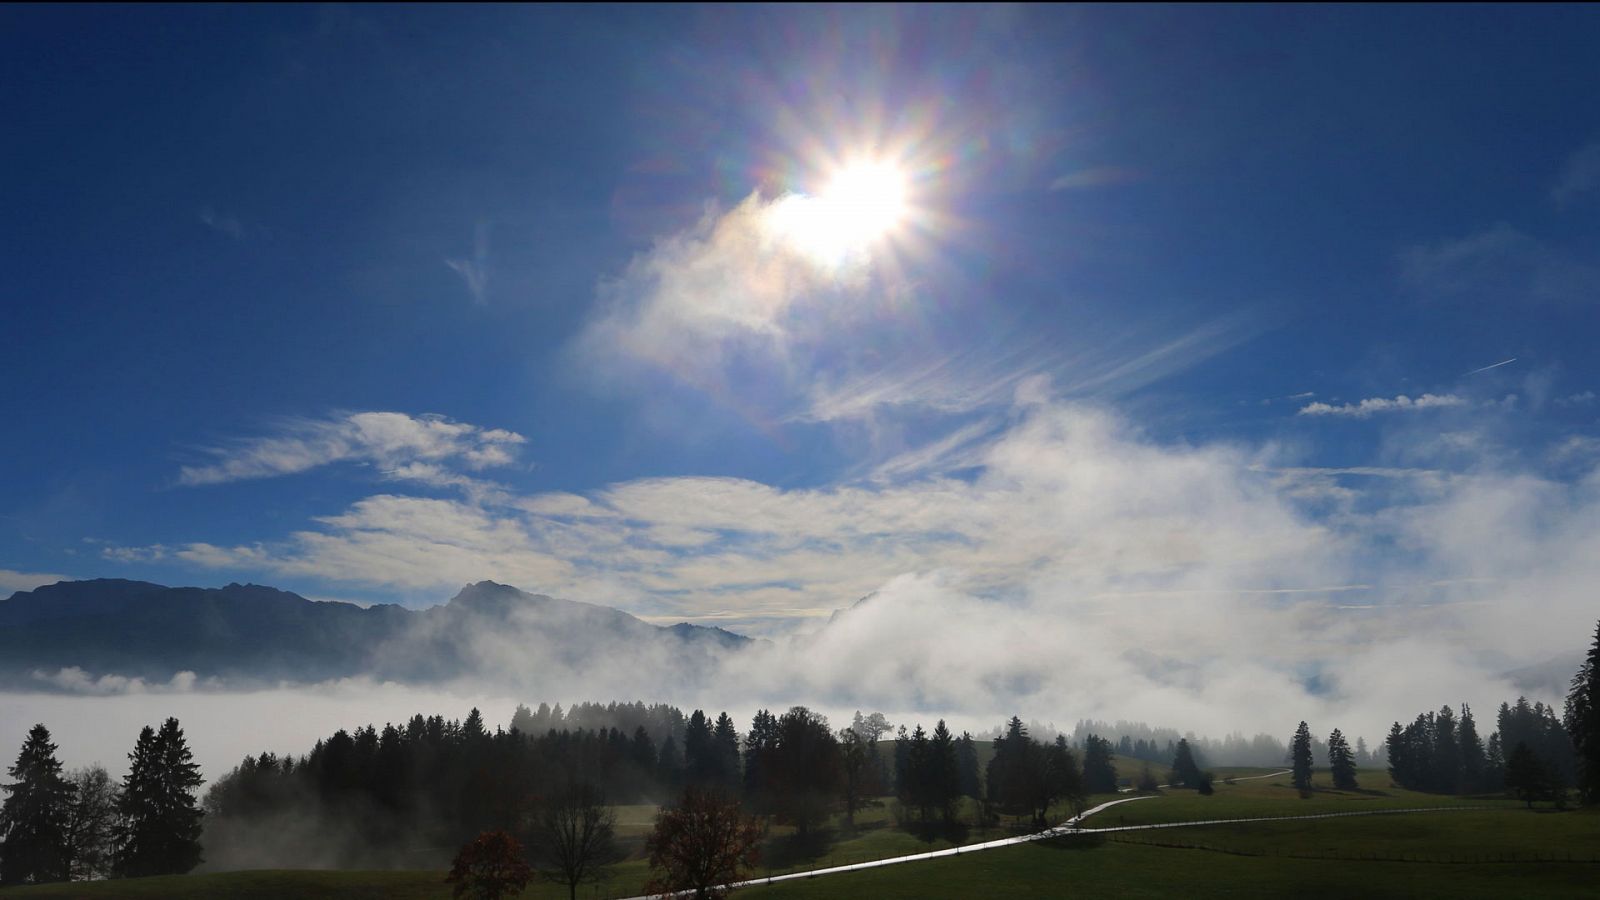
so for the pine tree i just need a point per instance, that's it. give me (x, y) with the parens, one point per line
(1473, 758)
(699, 768)
(967, 761)
(944, 772)
(161, 834)
(33, 819)
(1341, 762)
(1065, 778)
(1582, 721)
(1300, 755)
(1526, 776)
(725, 749)
(1099, 773)
(1185, 770)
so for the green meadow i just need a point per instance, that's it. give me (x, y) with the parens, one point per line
(1453, 849)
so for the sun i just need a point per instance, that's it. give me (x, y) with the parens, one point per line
(862, 204)
(867, 200)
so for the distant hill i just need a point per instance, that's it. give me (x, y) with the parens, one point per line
(261, 635)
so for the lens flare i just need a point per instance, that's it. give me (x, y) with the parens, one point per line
(867, 200)
(862, 204)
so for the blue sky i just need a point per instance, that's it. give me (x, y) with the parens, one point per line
(369, 302)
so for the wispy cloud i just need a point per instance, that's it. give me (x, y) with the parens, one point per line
(474, 271)
(1375, 405)
(1501, 264)
(222, 223)
(1580, 175)
(1095, 176)
(400, 445)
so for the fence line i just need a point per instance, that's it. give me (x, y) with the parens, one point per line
(1504, 856)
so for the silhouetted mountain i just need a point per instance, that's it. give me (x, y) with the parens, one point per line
(255, 634)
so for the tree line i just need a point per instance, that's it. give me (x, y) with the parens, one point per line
(374, 797)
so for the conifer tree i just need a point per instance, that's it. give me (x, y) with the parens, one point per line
(725, 749)
(967, 762)
(161, 834)
(1582, 721)
(1526, 776)
(944, 772)
(1185, 770)
(33, 818)
(1099, 774)
(699, 766)
(1341, 762)
(1300, 757)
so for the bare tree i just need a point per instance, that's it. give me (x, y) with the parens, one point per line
(91, 823)
(857, 766)
(702, 844)
(575, 831)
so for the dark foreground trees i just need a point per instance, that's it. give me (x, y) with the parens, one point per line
(161, 834)
(489, 868)
(1300, 758)
(576, 832)
(1341, 762)
(701, 843)
(34, 816)
(803, 769)
(1186, 770)
(1025, 777)
(1582, 721)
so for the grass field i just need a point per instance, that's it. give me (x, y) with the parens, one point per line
(1443, 853)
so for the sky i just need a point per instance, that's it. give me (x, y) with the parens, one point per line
(1232, 345)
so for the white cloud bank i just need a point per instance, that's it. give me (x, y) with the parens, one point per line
(1374, 405)
(1083, 569)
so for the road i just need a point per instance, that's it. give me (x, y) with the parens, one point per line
(1071, 826)
(1066, 827)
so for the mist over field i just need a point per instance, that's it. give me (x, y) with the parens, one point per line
(1084, 571)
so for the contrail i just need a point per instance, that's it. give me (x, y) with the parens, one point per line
(1495, 366)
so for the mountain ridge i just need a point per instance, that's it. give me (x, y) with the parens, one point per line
(257, 634)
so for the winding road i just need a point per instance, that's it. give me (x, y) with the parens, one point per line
(1071, 826)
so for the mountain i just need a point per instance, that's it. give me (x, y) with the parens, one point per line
(251, 634)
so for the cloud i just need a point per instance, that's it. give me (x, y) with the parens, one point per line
(74, 680)
(402, 446)
(1095, 176)
(475, 271)
(12, 581)
(1503, 265)
(225, 224)
(1374, 405)
(1080, 568)
(1580, 175)
(1581, 398)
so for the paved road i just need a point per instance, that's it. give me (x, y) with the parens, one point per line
(1072, 826)
(1067, 827)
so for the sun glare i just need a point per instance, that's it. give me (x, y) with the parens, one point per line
(861, 204)
(868, 200)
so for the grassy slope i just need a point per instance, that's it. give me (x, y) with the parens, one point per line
(1114, 867)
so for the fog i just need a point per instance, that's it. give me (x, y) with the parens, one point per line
(1085, 571)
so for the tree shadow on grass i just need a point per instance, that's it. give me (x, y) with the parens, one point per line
(792, 850)
(928, 832)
